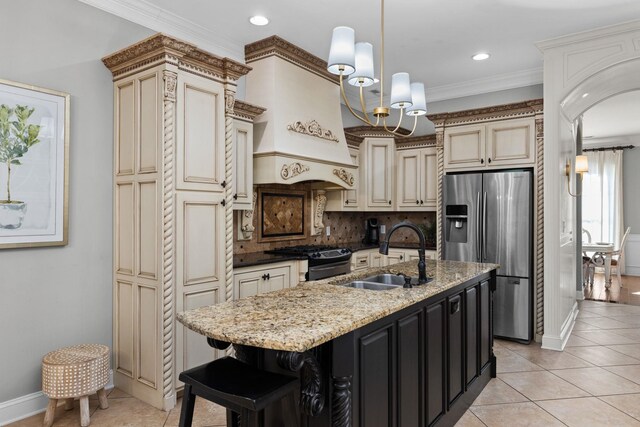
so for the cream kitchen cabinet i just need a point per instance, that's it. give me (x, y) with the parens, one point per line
(360, 260)
(260, 279)
(170, 207)
(417, 179)
(377, 174)
(493, 144)
(244, 114)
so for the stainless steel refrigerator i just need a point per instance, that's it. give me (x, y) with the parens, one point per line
(488, 217)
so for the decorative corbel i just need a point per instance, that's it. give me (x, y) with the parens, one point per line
(318, 205)
(246, 221)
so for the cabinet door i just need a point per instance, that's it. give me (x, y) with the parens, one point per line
(278, 278)
(376, 378)
(472, 327)
(455, 348)
(485, 324)
(511, 142)
(246, 285)
(410, 360)
(380, 157)
(464, 147)
(376, 259)
(408, 181)
(435, 366)
(431, 254)
(200, 139)
(429, 178)
(350, 199)
(243, 160)
(395, 256)
(200, 268)
(411, 255)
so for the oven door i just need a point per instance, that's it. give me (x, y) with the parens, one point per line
(317, 272)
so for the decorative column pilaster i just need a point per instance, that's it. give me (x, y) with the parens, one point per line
(440, 161)
(539, 226)
(168, 225)
(229, 98)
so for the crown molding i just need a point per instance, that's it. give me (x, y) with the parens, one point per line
(459, 90)
(244, 110)
(583, 36)
(529, 108)
(148, 15)
(605, 141)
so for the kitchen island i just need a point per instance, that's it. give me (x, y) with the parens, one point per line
(400, 357)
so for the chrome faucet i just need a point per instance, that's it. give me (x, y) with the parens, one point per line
(422, 263)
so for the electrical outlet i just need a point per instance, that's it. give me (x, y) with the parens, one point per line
(328, 231)
(383, 229)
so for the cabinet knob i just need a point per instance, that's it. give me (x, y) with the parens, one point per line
(489, 160)
(421, 202)
(481, 161)
(417, 202)
(266, 276)
(401, 257)
(389, 201)
(235, 196)
(346, 202)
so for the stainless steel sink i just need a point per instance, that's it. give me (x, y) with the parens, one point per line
(362, 284)
(386, 279)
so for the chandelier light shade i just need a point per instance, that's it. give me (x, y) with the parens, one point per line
(418, 100)
(400, 90)
(364, 66)
(355, 61)
(342, 53)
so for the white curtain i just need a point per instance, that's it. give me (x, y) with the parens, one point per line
(602, 208)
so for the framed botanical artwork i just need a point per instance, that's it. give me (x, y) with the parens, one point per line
(34, 166)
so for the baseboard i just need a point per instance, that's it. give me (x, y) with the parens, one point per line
(632, 255)
(632, 271)
(558, 343)
(31, 404)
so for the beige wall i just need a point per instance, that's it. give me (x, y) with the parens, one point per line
(61, 296)
(631, 182)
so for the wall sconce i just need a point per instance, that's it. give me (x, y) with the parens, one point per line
(582, 166)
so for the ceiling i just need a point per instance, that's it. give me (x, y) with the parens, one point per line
(614, 120)
(432, 40)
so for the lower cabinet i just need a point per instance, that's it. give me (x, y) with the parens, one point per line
(248, 281)
(424, 366)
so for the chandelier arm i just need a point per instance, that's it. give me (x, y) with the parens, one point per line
(394, 131)
(364, 107)
(346, 101)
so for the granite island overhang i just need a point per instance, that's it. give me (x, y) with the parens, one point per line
(358, 350)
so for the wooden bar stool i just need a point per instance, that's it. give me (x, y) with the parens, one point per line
(239, 387)
(77, 371)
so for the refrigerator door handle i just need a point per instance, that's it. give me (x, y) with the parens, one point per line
(484, 227)
(478, 247)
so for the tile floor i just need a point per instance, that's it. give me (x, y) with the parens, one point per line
(594, 382)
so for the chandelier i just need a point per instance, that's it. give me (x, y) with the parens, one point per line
(355, 62)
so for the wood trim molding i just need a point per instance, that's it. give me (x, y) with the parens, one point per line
(161, 48)
(277, 46)
(246, 111)
(496, 112)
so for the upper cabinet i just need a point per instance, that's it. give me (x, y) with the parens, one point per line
(417, 179)
(377, 166)
(493, 144)
(244, 114)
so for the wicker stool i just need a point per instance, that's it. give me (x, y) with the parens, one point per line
(76, 371)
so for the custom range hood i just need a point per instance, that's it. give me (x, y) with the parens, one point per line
(300, 137)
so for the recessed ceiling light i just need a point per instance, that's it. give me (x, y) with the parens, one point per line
(584, 95)
(480, 56)
(259, 20)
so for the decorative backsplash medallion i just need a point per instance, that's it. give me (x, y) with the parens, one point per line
(282, 215)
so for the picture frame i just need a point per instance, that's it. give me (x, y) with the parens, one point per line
(34, 166)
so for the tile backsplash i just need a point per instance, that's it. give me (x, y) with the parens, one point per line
(345, 227)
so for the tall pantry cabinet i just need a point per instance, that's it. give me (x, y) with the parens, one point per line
(173, 195)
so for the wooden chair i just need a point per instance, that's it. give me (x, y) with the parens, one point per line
(241, 388)
(617, 256)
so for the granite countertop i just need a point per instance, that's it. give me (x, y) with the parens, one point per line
(300, 318)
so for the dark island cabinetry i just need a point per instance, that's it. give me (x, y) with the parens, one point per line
(424, 365)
